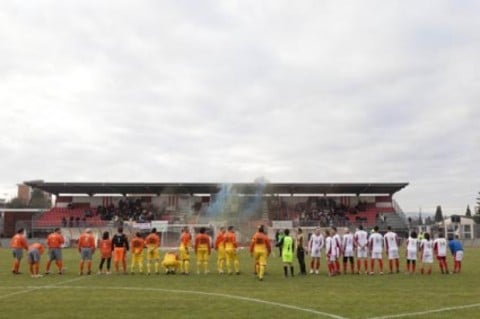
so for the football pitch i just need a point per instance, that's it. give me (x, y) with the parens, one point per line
(243, 296)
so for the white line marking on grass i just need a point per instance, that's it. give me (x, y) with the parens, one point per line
(33, 288)
(193, 292)
(426, 312)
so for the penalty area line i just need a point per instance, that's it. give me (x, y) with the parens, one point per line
(427, 312)
(212, 294)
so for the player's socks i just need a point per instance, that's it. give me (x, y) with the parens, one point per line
(397, 265)
(414, 267)
(408, 266)
(365, 264)
(390, 265)
(380, 262)
(291, 271)
(47, 267)
(345, 268)
(422, 270)
(285, 271)
(372, 266)
(352, 267)
(358, 265)
(317, 265)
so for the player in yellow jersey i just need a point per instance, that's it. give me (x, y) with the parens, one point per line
(152, 241)
(260, 249)
(136, 245)
(171, 262)
(202, 250)
(231, 251)
(220, 248)
(185, 247)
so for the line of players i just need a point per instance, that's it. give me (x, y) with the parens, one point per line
(372, 246)
(116, 248)
(367, 247)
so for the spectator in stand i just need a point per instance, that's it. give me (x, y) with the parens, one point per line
(64, 222)
(18, 244)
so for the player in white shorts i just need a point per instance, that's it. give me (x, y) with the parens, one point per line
(348, 248)
(440, 250)
(315, 245)
(391, 246)
(426, 247)
(337, 249)
(361, 244)
(375, 242)
(412, 249)
(329, 252)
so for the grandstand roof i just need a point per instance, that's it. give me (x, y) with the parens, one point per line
(213, 188)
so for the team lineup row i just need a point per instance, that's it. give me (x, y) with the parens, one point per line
(361, 244)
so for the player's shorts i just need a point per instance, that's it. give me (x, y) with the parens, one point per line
(17, 253)
(55, 254)
(231, 254)
(170, 263)
(348, 253)
(153, 253)
(362, 252)
(411, 255)
(441, 258)
(260, 257)
(202, 255)
(184, 253)
(393, 254)
(427, 259)
(287, 257)
(137, 258)
(86, 253)
(459, 255)
(33, 256)
(118, 254)
(331, 257)
(316, 252)
(376, 255)
(221, 253)
(347, 258)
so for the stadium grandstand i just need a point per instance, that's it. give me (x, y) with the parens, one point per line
(103, 205)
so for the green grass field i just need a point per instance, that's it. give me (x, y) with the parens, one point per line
(220, 296)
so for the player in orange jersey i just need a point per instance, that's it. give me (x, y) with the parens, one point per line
(35, 250)
(55, 242)
(152, 241)
(171, 262)
(136, 245)
(185, 245)
(231, 251)
(260, 249)
(86, 248)
(202, 250)
(18, 244)
(105, 247)
(220, 248)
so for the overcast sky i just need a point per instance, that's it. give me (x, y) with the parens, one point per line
(226, 91)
